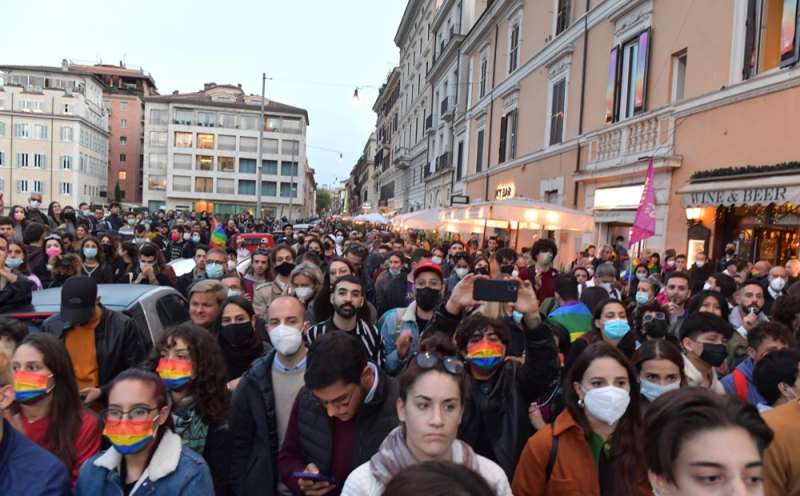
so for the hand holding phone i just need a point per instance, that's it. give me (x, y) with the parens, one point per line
(495, 290)
(311, 476)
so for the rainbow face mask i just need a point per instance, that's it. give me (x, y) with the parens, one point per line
(175, 373)
(129, 436)
(30, 386)
(484, 354)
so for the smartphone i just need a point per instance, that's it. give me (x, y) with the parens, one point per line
(313, 477)
(495, 290)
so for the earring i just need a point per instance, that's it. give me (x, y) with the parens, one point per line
(580, 402)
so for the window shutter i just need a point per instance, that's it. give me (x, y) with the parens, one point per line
(642, 66)
(611, 89)
(501, 157)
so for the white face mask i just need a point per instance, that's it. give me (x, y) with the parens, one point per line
(700, 263)
(286, 339)
(303, 293)
(231, 265)
(607, 404)
(515, 273)
(461, 272)
(187, 236)
(777, 284)
(707, 286)
(436, 260)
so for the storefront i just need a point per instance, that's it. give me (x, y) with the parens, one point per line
(756, 208)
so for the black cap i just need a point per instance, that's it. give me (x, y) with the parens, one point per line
(78, 299)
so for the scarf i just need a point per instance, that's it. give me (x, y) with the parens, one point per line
(394, 456)
(189, 426)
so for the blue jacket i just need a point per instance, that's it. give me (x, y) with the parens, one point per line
(746, 367)
(27, 469)
(394, 322)
(173, 470)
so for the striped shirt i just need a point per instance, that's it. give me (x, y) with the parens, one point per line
(369, 335)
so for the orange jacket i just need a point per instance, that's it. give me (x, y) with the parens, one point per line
(574, 472)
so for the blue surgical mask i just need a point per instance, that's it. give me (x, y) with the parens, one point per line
(13, 263)
(651, 390)
(214, 270)
(642, 297)
(616, 329)
(234, 292)
(89, 252)
(517, 316)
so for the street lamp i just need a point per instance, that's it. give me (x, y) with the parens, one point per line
(693, 214)
(356, 99)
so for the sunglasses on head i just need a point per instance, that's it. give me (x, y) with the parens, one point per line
(654, 316)
(428, 360)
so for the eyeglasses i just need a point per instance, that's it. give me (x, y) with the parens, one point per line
(428, 360)
(654, 316)
(136, 413)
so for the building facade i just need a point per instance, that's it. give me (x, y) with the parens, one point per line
(390, 174)
(363, 189)
(53, 136)
(201, 152)
(123, 94)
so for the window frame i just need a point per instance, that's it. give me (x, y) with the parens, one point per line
(514, 52)
(551, 89)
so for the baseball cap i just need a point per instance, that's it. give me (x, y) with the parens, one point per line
(428, 266)
(78, 298)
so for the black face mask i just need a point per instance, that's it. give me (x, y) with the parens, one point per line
(237, 335)
(285, 269)
(656, 329)
(729, 252)
(481, 271)
(427, 298)
(108, 250)
(714, 354)
(507, 269)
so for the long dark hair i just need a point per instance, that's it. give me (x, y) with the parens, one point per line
(659, 349)
(634, 281)
(101, 257)
(697, 300)
(66, 406)
(23, 268)
(625, 440)
(209, 387)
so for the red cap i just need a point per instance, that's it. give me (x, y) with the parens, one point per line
(428, 266)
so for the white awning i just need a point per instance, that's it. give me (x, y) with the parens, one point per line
(760, 190)
(421, 219)
(518, 213)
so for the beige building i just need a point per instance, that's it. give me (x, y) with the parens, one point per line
(201, 153)
(390, 173)
(53, 136)
(567, 106)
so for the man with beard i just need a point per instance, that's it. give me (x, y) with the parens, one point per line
(402, 326)
(744, 317)
(347, 298)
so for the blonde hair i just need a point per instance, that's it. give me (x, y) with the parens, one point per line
(210, 286)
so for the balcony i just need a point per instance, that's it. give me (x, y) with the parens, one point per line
(444, 162)
(625, 142)
(429, 124)
(447, 110)
(402, 157)
(378, 158)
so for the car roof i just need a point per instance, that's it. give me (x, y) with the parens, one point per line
(117, 297)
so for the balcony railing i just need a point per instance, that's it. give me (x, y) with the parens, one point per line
(628, 140)
(443, 161)
(402, 157)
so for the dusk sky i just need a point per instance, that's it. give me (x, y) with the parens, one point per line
(316, 51)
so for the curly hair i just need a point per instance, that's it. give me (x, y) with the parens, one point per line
(209, 387)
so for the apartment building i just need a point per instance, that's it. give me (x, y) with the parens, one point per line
(123, 95)
(53, 135)
(201, 153)
(390, 174)
(364, 188)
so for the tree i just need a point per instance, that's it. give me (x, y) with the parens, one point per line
(323, 201)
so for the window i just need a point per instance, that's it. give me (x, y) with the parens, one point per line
(123, 123)
(21, 130)
(513, 43)
(678, 76)
(66, 134)
(183, 140)
(207, 119)
(226, 164)
(180, 183)
(460, 161)
(479, 152)
(158, 116)
(290, 147)
(269, 188)
(289, 190)
(508, 137)
(158, 138)
(627, 78)
(291, 126)
(123, 157)
(22, 186)
(289, 169)
(272, 124)
(562, 15)
(123, 140)
(158, 161)
(40, 132)
(157, 183)
(249, 145)
(65, 188)
(204, 163)
(227, 120)
(248, 122)
(68, 108)
(767, 45)
(482, 76)
(227, 143)
(558, 97)
(269, 147)
(184, 117)
(123, 106)
(181, 161)
(39, 160)
(226, 186)
(204, 184)
(2, 159)
(38, 187)
(248, 166)
(123, 175)
(65, 162)
(247, 187)
(205, 141)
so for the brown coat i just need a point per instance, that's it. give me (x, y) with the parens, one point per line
(782, 457)
(574, 472)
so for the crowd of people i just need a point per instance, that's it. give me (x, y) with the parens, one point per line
(361, 361)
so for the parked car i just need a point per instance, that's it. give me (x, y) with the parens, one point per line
(153, 308)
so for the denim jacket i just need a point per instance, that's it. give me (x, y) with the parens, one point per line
(396, 321)
(173, 470)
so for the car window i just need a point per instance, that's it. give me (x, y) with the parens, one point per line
(137, 314)
(172, 310)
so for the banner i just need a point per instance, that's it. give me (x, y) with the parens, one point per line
(644, 225)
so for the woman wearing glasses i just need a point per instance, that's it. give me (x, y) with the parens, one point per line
(145, 451)
(432, 390)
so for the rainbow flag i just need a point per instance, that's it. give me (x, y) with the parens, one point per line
(174, 373)
(575, 317)
(129, 436)
(484, 354)
(29, 385)
(218, 237)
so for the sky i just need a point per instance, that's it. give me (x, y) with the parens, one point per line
(315, 51)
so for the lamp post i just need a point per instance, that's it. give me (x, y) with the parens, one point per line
(260, 144)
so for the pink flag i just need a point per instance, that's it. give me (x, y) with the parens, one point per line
(644, 226)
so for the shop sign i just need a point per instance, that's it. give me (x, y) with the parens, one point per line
(619, 198)
(743, 196)
(505, 191)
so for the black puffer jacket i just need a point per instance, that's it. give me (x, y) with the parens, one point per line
(499, 406)
(254, 425)
(119, 344)
(15, 295)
